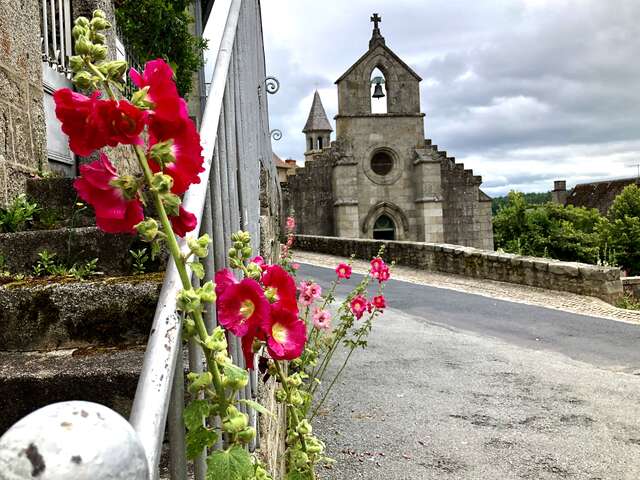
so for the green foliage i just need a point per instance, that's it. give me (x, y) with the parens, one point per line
(18, 214)
(47, 265)
(232, 464)
(140, 259)
(532, 198)
(622, 232)
(628, 302)
(160, 29)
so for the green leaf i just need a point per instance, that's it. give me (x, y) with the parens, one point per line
(257, 407)
(232, 464)
(194, 413)
(197, 269)
(198, 439)
(297, 475)
(237, 377)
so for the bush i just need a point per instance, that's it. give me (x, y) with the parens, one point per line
(622, 232)
(160, 29)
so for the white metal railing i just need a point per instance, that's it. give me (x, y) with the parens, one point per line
(56, 26)
(236, 143)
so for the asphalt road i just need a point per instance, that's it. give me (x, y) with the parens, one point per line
(460, 386)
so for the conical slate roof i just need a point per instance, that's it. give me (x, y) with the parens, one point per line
(317, 121)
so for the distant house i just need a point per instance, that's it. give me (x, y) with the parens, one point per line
(285, 168)
(599, 195)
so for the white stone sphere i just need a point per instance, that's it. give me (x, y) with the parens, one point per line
(72, 440)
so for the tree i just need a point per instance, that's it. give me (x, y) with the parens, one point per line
(622, 233)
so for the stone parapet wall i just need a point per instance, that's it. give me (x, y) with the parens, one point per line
(601, 282)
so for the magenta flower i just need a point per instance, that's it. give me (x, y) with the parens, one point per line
(321, 319)
(343, 270)
(223, 279)
(242, 307)
(306, 299)
(281, 287)
(379, 302)
(358, 306)
(379, 270)
(286, 334)
(291, 224)
(310, 288)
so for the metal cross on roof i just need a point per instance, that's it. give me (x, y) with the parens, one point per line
(376, 19)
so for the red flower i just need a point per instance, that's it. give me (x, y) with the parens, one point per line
(186, 150)
(223, 279)
(343, 270)
(76, 112)
(358, 305)
(119, 122)
(379, 270)
(114, 212)
(281, 286)
(286, 334)
(183, 223)
(379, 302)
(242, 307)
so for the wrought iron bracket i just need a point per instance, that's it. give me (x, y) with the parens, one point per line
(276, 134)
(272, 84)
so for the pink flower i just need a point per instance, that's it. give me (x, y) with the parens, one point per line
(384, 274)
(76, 112)
(286, 334)
(259, 260)
(242, 307)
(321, 319)
(377, 264)
(306, 299)
(224, 278)
(343, 270)
(183, 223)
(295, 266)
(312, 289)
(358, 306)
(281, 287)
(379, 270)
(379, 302)
(291, 224)
(115, 212)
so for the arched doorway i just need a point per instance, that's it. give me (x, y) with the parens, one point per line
(384, 228)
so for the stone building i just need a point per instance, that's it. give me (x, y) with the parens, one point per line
(284, 168)
(381, 178)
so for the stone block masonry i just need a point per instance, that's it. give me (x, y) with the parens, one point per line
(22, 123)
(580, 278)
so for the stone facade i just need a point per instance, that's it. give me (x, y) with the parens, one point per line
(386, 180)
(596, 281)
(22, 122)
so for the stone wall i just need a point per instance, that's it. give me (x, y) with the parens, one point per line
(309, 195)
(22, 124)
(601, 282)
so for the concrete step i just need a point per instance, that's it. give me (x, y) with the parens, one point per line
(31, 380)
(20, 250)
(58, 197)
(41, 314)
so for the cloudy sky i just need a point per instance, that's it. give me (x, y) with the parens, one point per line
(522, 91)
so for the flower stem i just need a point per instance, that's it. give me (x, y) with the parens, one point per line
(178, 258)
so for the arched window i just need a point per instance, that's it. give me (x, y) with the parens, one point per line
(310, 143)
(378, 92)
(384, 228)
(319, 143)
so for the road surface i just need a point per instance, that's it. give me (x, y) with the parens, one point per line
(461, 386)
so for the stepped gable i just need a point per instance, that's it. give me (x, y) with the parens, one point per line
(599, 195)
(317, 120)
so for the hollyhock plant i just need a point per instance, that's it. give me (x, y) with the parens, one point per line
(120, 122)
(358, 306)
(321, 319)
(76, 113)
(281, 287)
(242, 307)
(379, 302)
(117, 211)
(184, 222)
(291, 224)
(343, 270)
(287, 334)
(310, 289)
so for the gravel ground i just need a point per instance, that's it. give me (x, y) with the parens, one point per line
(427, 401)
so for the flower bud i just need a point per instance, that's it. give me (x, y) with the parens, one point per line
(255, 271)
(246, 252)
(233, 253)
(188, 301)
(217, 341)
(296, 398)
(99, 14)
(98, 38)
(83, 46)
(261, 473)
(281, 395)
(294, 380)
(147, 229)
(238, 245)
(188, 328)
(247, 435)
(83, 80)
(235, 423)
(99, 23)
(207, 292)
(299, 459)
(314, 446)
(199, 381)
(99, 52)
(171, 203)
(116, 69)
(304, 427)
(161, 183)
(161, 152)
(76, 63)
(82, 22)
(140, 99)
(79, 31)
(199, 247)
(221, 358)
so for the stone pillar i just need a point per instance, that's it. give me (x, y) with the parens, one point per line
(22, 123)
(559, 193)
(345, 208)
(428, 198)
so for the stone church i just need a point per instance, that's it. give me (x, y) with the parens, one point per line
(381, 178)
